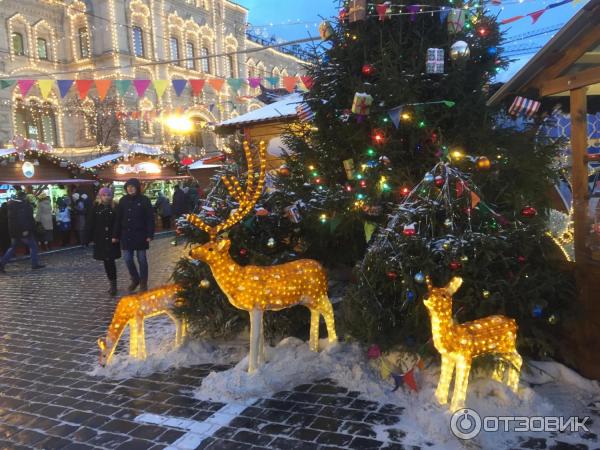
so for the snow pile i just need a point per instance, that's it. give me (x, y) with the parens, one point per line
(291, 363)
(162, 354)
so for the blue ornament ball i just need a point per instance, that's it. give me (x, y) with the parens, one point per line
(428, 178)
(410, 295)
(420, 277)
(537, 311)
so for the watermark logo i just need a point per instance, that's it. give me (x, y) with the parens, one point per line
(467, 423)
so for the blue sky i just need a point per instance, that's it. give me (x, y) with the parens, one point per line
(296, 19)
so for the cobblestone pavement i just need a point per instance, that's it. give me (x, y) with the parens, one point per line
(49, 322)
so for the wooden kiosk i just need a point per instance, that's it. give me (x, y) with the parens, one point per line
(568, 66)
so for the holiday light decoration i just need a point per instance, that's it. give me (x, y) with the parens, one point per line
(458, 344)
(257, 289)
(131, 311)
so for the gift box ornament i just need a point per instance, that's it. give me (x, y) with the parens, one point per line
(435, 60)
(293, 213)
(349, 168)
(325, 30)
(456, 20)
(357, 10)
(361, 105)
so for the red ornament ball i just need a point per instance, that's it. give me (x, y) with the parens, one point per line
(439, 181)
(284, 171)
(368, 70)
(455, 265)
(243, 252)
(521, 259)
(392, 275)
(529, 211)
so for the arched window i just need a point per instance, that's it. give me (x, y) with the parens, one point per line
(18, 45)
(190, 54)
(36, 121)
(138, 42)
(175, 49)
(205, 60)
(42, 48)
(84, 42)
(230, 66)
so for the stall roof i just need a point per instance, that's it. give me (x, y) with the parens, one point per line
(101, 160)
(200, 165)
(6, 151)
(575, 46)
(282, 109)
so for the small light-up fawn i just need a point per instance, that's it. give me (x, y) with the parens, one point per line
(460, 343)
(257, 289)
(132, 310)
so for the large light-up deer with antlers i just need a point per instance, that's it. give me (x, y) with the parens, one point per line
(460, 343)
(131, 311)
(257, 289)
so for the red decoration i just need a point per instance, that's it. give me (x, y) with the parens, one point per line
(392, 275)
(521, 259)
(374, 352)
(529, 211)
(404, 191)
(460, 188)
(368, 70)
(243, 252)
(378, 136)
(455, 265)
(439, 181)
(284, 171)
(409, 230)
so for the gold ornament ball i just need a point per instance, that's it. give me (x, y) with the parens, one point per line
(486, 294)
(205, 284)
(553, 320)
(271, 243)
(446, 245)
(483, 163)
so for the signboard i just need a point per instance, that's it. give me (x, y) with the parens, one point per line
(146, 167)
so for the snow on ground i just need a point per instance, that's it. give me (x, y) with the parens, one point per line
(552, 389)
(162, 355)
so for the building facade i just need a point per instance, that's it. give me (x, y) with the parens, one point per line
(128, 40)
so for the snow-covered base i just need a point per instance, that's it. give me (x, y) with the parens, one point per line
(554, 391)
(162, 356)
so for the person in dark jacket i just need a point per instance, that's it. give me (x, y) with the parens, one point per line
(99, 230)
(21, 227)
(180, 202)
(164, 210)
(4, 236)
(134, 229)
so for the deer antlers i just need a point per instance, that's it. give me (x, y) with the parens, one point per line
(246, 200)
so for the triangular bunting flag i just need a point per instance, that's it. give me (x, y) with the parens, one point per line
(307, 81)
(395, 115)
(216, 83)
(254, 82)
(141, 86)
(235, 83)
(511, 20)
(6, 83)
(160, 86)
(64, 86)
(474, 200)
(45, 87)
(409, 379)
(179, 86)
(122, 86)
(273, 80)
(25, 86)
(197, 86)
(102, 87)
(83, 87)
(289, 83)
(536, 15)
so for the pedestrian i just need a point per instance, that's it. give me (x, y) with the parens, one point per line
(4, 236)
(164, 210)
(63, 220)
(80, 212)
(43, 217)
(134, 229)
(180, 206)
(99, 230)
(21, 227)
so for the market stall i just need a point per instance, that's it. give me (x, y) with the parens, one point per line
(205, 169)
(156, 171)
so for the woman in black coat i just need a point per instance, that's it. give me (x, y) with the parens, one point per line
(134, 228)
(99, 229)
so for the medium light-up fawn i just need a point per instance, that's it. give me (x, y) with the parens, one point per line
(460, 343)
(132, 310)
(257, 289)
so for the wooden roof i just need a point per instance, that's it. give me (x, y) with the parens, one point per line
(571, 59)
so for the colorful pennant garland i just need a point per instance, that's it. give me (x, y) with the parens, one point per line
(535, 15)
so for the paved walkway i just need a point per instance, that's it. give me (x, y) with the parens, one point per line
(49, 322)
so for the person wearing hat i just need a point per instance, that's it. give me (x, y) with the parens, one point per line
(134, 229)
(43, 216)
(21, 226)
(99, 230)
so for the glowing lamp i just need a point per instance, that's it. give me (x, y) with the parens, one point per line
(439, 181)
(458, 344)
(131, 311)
(483, 163)
(179, 124)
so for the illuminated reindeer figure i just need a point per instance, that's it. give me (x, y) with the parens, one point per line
(257, 289)
(460, 343)
(132, 310)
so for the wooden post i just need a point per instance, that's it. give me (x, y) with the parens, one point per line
(579, 145)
